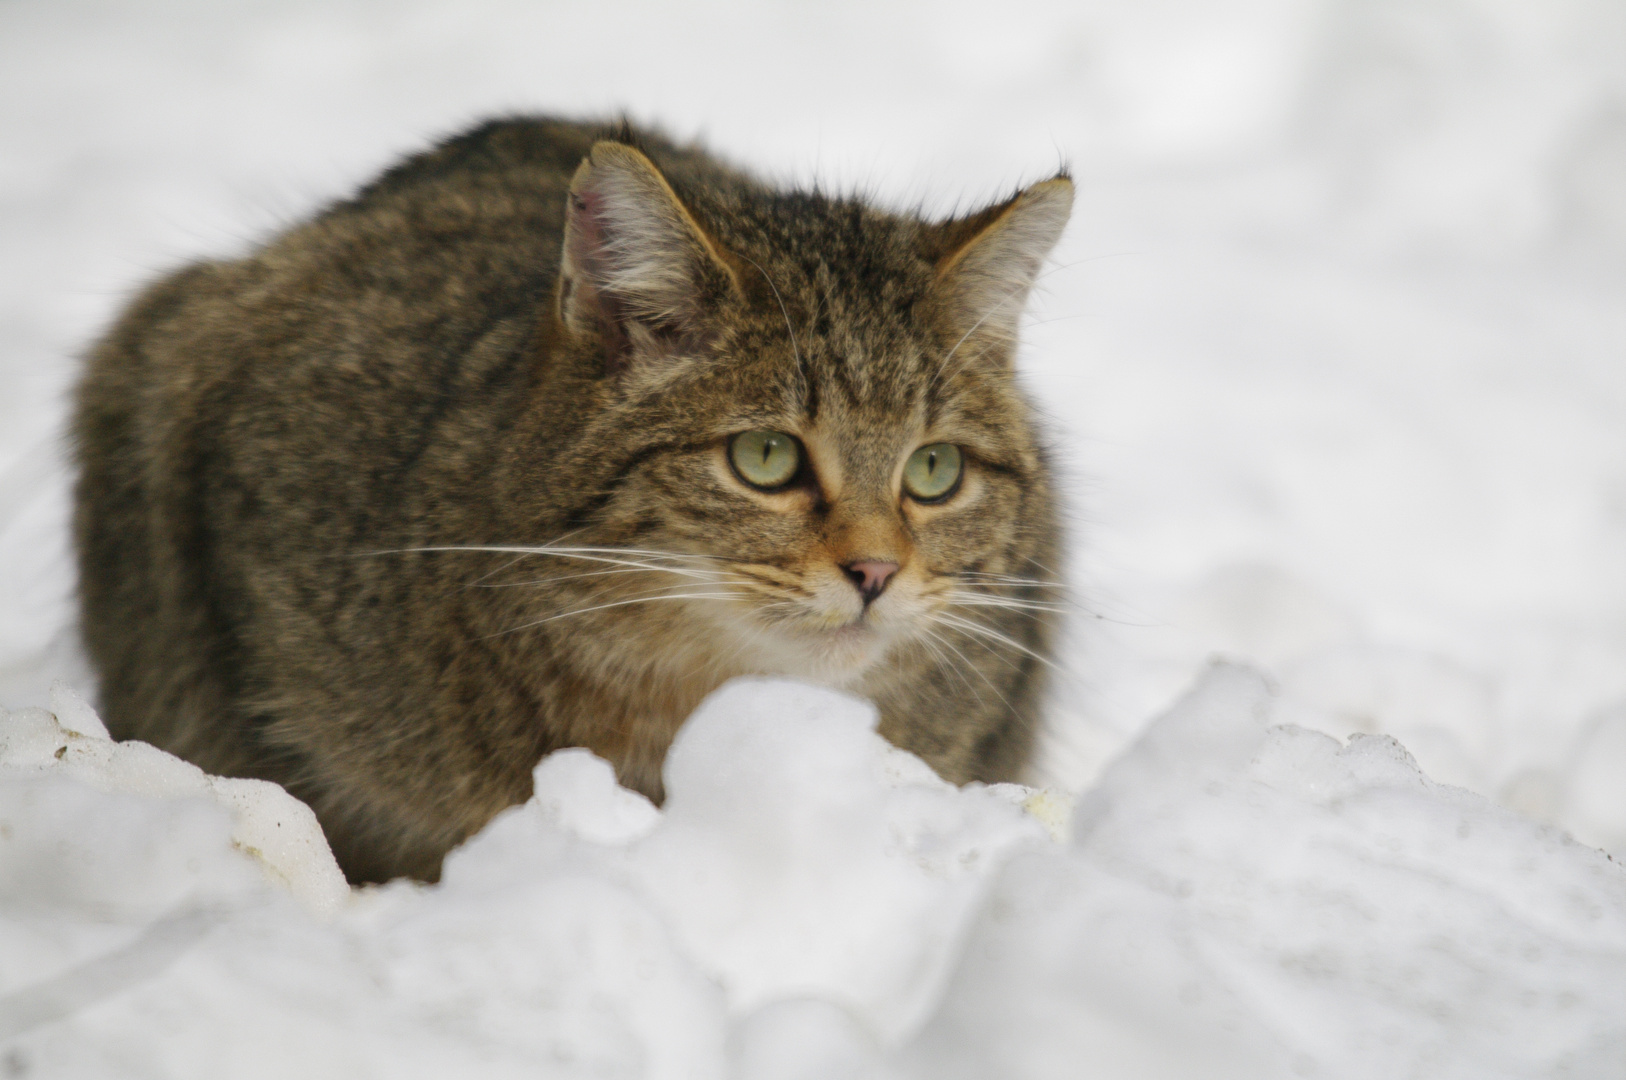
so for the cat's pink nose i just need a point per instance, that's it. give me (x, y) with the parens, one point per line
(871, 577)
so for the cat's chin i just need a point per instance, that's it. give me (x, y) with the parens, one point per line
(836, 656)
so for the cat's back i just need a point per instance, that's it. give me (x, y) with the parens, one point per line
(374, 302)
(445, 239)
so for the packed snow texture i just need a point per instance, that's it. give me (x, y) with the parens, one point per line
(1334, 361)
(1238, 900)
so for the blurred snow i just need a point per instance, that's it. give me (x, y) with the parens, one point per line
(1335, 359)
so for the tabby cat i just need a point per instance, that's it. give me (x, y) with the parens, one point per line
(537, 440)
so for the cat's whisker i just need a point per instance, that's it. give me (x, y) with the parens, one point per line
(603, 553)
(1042, 566)
(545, 549)
(1010, 603)
(718, 576)
(984, 577)
(967, 662)
(600, 555)
(635, 566)
(1005, 589)
(990, 650)
(929, 642)
(612, 604)
(651, 552)
(977, 629)
(511, 562)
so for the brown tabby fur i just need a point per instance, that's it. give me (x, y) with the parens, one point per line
(537, 336)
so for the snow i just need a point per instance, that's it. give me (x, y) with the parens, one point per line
(1243, 900)
(798, 856)
(1238, 899)
(277, 830)
(1333, 359)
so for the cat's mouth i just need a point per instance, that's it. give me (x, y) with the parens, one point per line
(826, 637)
(847, 650)
(824, 651)
(859, 630)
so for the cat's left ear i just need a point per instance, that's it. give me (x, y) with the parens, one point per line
(987, 262)
(637, 270)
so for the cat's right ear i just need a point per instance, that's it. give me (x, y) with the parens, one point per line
(638, 272)
(987, 262)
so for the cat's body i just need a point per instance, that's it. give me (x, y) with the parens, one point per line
(532, 338)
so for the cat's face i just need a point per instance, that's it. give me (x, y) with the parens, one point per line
(821, 453)
(831, 533)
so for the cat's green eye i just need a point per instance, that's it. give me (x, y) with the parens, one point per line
(765, 459)
(933, 472)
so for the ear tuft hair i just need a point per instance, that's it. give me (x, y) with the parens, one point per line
(988, 261)
(637, 268)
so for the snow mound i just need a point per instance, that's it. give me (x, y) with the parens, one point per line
(1245, 900)
(1237, 899)
(798, 853)
(585, 933)
(262, 820)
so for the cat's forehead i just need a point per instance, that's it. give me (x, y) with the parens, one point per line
(873, 388)
(847, 288)
(836, 363)
(810, 245)
(836, 334)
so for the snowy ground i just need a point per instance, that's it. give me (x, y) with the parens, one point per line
(1335, 355)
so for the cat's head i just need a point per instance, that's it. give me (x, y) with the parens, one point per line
(804, 414)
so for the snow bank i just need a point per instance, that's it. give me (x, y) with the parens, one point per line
(266, 823)
(1252, 901)
(1237, 899)
(799, 856)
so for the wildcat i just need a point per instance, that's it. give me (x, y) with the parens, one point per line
(534, 442)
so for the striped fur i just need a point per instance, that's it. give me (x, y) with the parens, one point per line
(437, 482)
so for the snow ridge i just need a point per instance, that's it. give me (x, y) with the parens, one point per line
(1237, 899)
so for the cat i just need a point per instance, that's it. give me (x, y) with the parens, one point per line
(537, 440)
